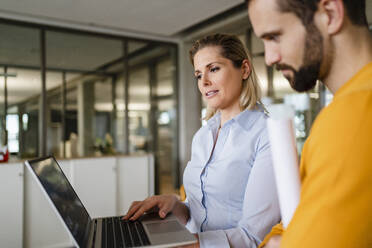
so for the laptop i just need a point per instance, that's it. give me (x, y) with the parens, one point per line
(149, 231)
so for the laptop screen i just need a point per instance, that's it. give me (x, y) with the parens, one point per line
(63, 196)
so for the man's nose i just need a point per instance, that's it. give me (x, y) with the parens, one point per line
(272, 56)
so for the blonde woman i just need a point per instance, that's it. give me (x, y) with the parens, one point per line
(229, 182)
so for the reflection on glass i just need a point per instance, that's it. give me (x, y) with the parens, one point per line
(24, 87)
(54, 108)
(24, 122)
(136, 46)
(164, 118)
(165, 70)
(29, 144)
(91, 70)
(20, 58)
(166, 126)
(12, 125)
(165, 144)
(90, 63)
(19, 46)
(2, 109)
(103, 106)
(71, 119)
(119, 121)
(80, 52)
(139, 110)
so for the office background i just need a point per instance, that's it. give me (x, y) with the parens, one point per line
(93, 79)
(108, 89)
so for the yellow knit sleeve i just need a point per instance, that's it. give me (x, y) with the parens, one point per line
(276, 230)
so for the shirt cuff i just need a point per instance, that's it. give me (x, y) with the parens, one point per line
(213, 239)
(190, 225)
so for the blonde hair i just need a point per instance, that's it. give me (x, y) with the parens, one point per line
(233, 49)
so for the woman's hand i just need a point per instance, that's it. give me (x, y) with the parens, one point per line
(165, 204)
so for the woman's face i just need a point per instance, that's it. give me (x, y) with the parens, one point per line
(219, 81)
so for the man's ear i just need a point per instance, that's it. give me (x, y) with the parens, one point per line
(333, 15)
(246, 69)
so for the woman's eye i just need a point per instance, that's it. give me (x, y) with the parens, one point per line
(198, 77)
(214, 69)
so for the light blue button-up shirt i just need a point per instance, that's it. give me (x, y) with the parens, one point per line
(230, 189)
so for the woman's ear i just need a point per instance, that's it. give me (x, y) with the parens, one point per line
(246, 69)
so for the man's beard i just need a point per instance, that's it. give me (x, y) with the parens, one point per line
(306, 77)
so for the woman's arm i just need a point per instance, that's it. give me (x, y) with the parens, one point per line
(182, 212)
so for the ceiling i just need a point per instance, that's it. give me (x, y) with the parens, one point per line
(159, 19)
(152, 17)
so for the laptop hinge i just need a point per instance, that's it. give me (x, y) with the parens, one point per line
(91, 233)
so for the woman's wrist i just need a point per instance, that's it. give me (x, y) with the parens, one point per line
(181, 211)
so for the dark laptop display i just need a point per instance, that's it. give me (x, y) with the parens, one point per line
(64, 198)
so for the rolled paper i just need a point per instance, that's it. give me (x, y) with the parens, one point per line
(285, 159)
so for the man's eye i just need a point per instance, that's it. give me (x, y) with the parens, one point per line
(214, 69)
(272, 38)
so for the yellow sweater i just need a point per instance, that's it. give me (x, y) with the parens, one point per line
(335, 208)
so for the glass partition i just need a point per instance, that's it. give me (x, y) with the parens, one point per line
(166, 121)
(104, 95)
(139, 110)
(88, 57)
(19, 86)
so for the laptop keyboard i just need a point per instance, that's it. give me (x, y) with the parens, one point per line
(121, 233)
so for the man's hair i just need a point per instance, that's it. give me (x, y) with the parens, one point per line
(305, 9)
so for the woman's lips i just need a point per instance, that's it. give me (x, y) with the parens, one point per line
(211, 93)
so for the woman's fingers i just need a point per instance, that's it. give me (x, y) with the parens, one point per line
(165, 209)
(145, 206)
(132, 209)
(163, 205)
(140, 207)
(139, 212)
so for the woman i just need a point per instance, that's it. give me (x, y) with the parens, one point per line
(229, 182)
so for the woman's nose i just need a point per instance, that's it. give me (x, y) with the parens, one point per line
(205, 80)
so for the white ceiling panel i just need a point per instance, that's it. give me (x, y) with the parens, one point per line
(158, 17)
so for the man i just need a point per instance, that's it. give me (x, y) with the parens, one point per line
(327, 40)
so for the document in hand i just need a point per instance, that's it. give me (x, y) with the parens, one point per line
(285, 159)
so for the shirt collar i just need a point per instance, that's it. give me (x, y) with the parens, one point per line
(245, 119)
(214, 122)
